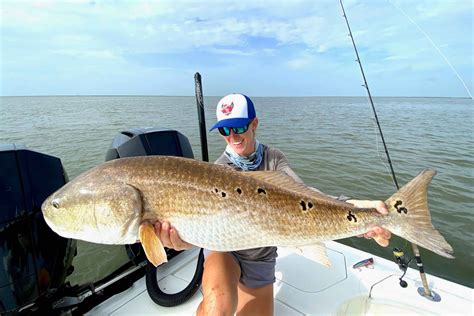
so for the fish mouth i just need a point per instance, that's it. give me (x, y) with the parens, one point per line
(49, 214)
(46, 206)
(49, 222)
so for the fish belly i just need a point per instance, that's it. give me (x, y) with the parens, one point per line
(221, 233)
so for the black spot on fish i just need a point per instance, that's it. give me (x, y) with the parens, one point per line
(239, 190)
(261, 191)
(351, 217)
(310, 205)
(216, 190)
(303, 205)
(223, 194)
(398, 206)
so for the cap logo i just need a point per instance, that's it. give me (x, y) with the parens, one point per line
(226, 109)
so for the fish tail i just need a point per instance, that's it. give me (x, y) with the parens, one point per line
(410, 216)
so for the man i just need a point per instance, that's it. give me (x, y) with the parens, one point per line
(242, 281)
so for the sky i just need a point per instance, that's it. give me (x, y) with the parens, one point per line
(260, 48)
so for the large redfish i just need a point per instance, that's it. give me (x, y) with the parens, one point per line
(217, 208)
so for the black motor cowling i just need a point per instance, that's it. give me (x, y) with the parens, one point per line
(149, 141)
(34, 261)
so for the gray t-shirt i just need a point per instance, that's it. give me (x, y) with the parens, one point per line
(273, 160)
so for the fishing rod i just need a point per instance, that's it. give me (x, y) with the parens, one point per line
(427, 292)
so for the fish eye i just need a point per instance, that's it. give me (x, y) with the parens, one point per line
(55, 203)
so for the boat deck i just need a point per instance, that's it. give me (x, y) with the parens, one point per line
(305, 287)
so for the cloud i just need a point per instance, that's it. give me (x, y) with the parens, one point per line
(95, 54)
(236, 36)
(167, 25)
(300, 63)
(228, 51)
(429, 9)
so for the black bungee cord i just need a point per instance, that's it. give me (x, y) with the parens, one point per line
(427, 292)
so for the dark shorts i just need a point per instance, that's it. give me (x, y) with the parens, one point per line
(255, 272)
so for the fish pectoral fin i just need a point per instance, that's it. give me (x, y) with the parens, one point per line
(316, 252)
(154, 249)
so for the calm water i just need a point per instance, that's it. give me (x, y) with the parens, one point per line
(331, 143)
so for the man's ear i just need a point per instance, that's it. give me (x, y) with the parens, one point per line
(255, 123)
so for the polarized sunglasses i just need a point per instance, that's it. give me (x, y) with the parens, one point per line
(225, 131)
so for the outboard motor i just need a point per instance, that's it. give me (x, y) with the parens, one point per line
(149, 141)
(35, 261)
(146, 142)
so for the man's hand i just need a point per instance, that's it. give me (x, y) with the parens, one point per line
(169, 236)
(379, 234)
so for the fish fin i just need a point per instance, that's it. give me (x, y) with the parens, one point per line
(154, 249)
(411, 218)
(279, 178)
(315, 252)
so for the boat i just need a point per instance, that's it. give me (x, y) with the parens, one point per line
(33, 282)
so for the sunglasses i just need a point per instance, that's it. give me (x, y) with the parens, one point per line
(225, 131)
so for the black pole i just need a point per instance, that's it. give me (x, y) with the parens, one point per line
(201, 116)
(416, 251)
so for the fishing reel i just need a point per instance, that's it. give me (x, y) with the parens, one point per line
(400, 260)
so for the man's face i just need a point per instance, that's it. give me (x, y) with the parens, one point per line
(243, 144)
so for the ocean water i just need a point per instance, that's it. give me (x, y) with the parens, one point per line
(331, 142)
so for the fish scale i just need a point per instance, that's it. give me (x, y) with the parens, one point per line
(218, 208)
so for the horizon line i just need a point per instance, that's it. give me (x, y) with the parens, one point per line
(217, 96)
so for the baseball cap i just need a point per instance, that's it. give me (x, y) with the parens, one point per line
(234, 110)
